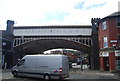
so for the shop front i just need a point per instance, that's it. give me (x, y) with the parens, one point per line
(110, 61)
(117, 54)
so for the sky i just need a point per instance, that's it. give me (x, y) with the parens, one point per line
(54, 12)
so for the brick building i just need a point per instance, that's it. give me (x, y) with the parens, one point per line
(109, 42)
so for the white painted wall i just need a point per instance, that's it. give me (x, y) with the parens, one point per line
(52, 32)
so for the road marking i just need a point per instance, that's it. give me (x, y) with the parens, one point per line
(8, 78)
(24, 79)
(104, 74)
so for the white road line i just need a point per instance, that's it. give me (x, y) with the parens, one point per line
(8, 78)
(104, 74)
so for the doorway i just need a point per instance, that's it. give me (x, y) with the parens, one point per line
(106, 63)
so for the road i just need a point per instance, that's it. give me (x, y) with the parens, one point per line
(75, 75)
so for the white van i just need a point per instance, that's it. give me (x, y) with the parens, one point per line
(42, 66)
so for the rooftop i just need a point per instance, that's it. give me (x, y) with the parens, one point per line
(115, 14)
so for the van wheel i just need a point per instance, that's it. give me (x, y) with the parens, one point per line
(61, 78)
(15, 74)
(47, 77)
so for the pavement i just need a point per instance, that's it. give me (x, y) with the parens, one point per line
(94, 73)
(86, 73)
(6, 70)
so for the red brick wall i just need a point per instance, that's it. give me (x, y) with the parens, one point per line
(111, 32)
(112, 61)
(102, 33)
(101, 64)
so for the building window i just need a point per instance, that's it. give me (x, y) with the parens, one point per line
(104, 27)
(118, 21)
(105, 42)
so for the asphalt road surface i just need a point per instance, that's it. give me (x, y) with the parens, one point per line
(75, 75)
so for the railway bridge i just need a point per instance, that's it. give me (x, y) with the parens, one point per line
(37, 39)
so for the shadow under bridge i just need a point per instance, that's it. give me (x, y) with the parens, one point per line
(41, 45)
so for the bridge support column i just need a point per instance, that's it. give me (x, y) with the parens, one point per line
(16, 41)
(89, 42)
(22, 39)
(85, 41)
(95, 46)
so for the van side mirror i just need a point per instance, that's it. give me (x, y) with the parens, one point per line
(18, 60)
(21, 62)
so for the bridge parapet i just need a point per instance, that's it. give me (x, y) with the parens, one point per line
(78, 34)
